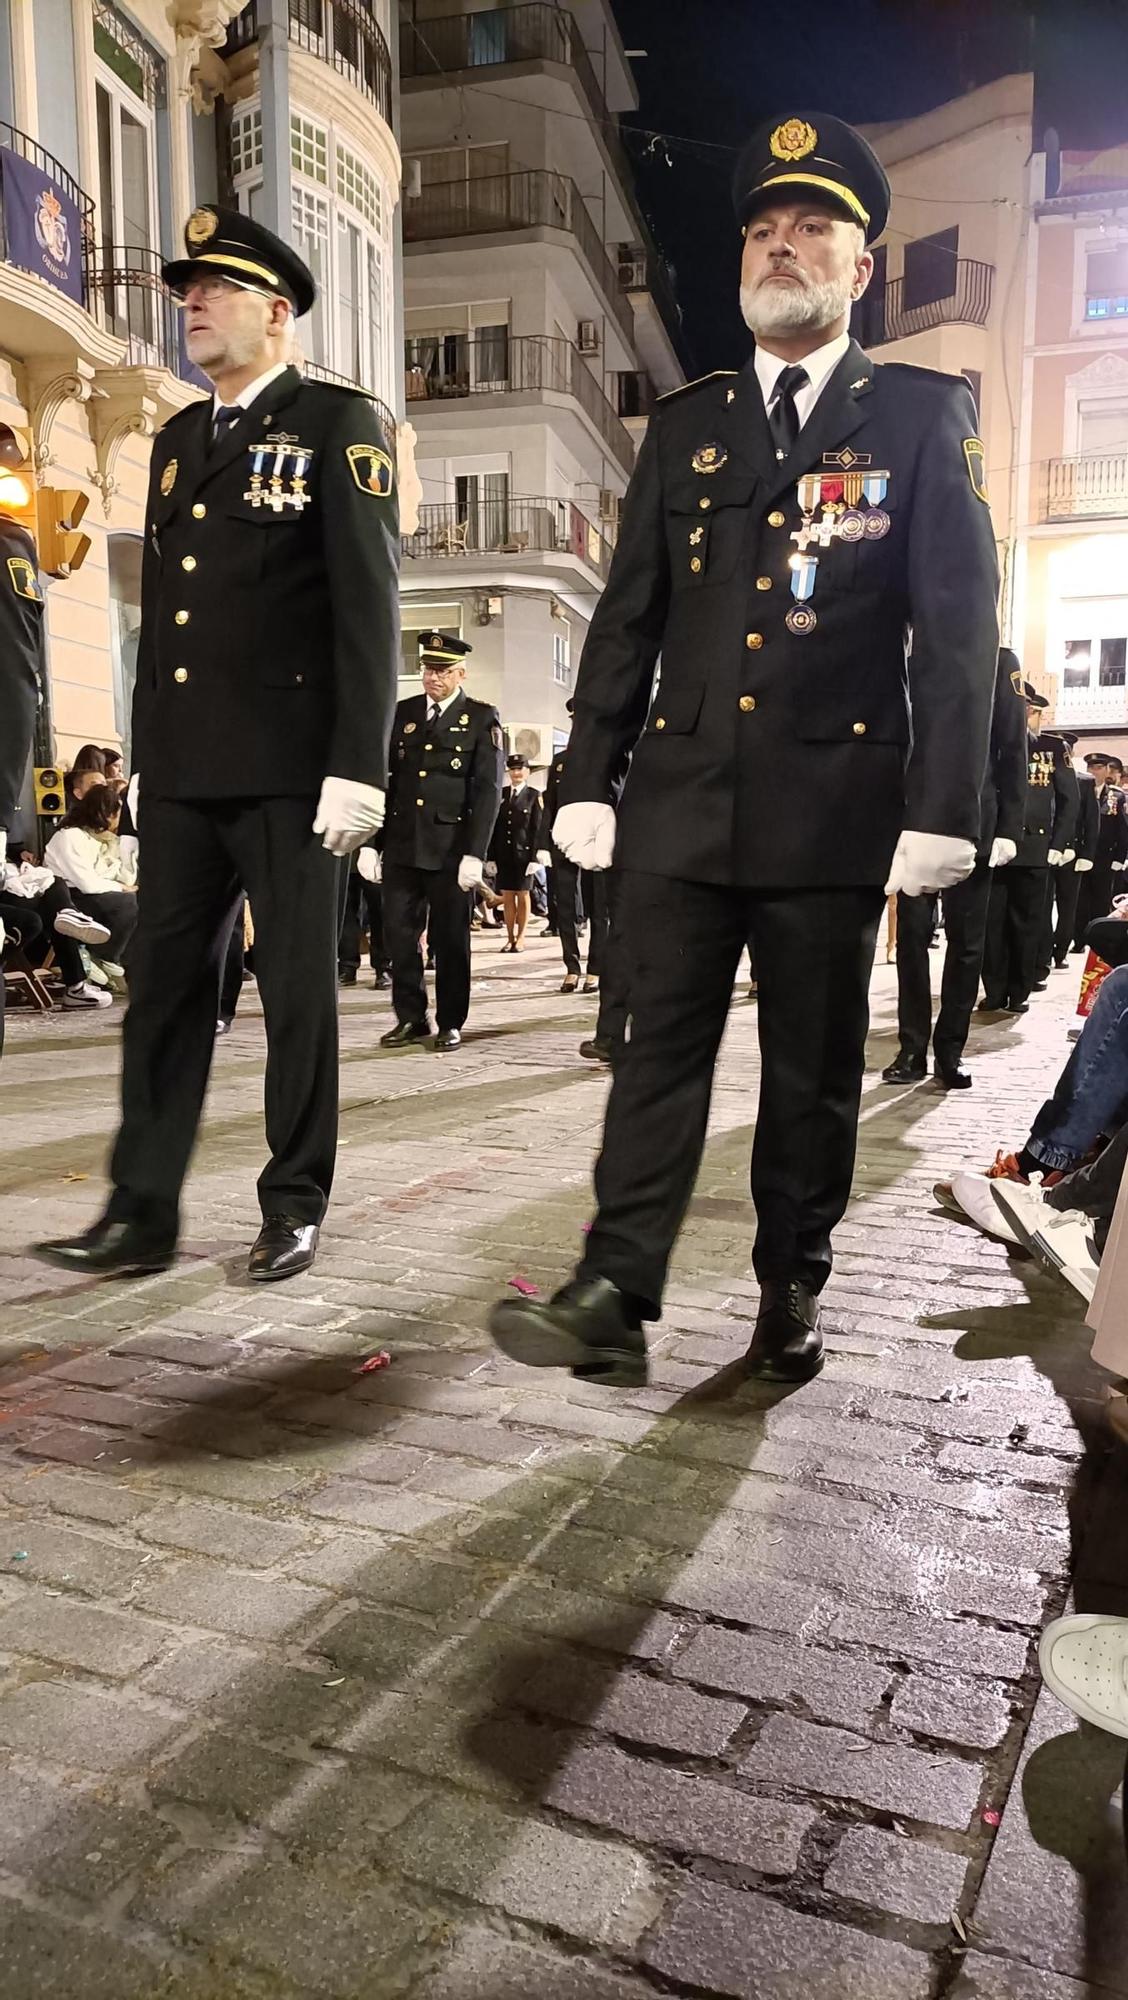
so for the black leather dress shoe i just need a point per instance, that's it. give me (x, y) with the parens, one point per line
(952, 1077)
(786, 1345)
(405, 1032)
(597, 1050)
(904, 1070)
(382, 982)
(1017, 1006)
(282, 1248)
(589, 1325)
(990, 1006)
(110, 1250)
(448, 1038)
(347, 976)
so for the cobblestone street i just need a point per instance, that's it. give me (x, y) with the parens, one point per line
(455, 1681)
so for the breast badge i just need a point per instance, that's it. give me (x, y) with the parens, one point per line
(168, 477)
(371, 468)
(709, 458)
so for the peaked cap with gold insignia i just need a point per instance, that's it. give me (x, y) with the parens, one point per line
(805, 152)
(221, 242)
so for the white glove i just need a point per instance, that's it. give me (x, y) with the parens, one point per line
(586, 834)
(544, 857)
(1082, 867)
(1069, 854)
(1118, 865)
(470, 872)
(368, 865)
(347, 813)
(1055, 857)
(926, 862)
(530, 871)
(1002, 851)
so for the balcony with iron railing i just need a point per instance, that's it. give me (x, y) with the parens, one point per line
(499, 364)
(343, 33)
(893, 313)
(314, 372)
(509, 204)
(645, 270)
(1092, 486)
(129, 299)
(14, 141)
(509, 526)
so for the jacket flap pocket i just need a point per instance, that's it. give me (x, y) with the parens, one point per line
(703, 496)
(675, 708)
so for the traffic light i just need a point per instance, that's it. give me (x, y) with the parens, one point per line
(17, 477)
(61, 548)
(50, 798)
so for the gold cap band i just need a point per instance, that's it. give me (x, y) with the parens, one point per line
(237, 264)
(816, 180)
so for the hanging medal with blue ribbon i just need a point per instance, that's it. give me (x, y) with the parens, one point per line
(804, 569)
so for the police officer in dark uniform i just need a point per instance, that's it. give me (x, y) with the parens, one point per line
(1069, 879)
(785, 529)
(1111, 853)
(22, 674)
(515, 844)
(1016, 913)
(266, 676)
(442, 802)
(965, 908)
(576, 898)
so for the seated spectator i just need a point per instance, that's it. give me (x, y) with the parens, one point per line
(88, 769)
(37, 909)
(86, 854)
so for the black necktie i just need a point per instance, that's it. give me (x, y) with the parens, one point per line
(433, 715)
(226, 415)
(783, 417)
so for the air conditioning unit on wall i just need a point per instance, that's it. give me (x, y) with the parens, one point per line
(610, 505)
(533, 740)
(587, 338)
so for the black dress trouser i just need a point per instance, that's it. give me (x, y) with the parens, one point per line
(1015, 914)
(363, 909)
(814, 953)
(579, 895)
(965, 928)
(614, 970)
(428, 899)
(1099, 885)
(199, 857)
(1066, 888)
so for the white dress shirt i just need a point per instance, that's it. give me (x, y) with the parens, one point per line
(444, 705)
(820, 365)
(253, 390)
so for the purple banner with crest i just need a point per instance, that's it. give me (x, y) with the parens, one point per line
(42, 229)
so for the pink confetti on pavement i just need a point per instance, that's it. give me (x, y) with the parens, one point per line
(526, 1288)
(375, 1361)
(991, 1817)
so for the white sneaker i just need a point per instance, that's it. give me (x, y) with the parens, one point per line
(1061, 1238)
(74, 923)
(976, 1197)
(87, 996)
(1084, 1662)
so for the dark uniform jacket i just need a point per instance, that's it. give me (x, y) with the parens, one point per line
(269, 644)
(1088, 820)
(1052, 801)
(551, 799)
(1112, 835)
(1004, 789)
(445, 783)
(776, 756)
(517, 835)
(22, 661)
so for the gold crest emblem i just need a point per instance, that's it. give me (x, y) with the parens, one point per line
(709, 458)
(168, 476)
(793, 140)
(975, 455)
(409, 729)
(200, 227)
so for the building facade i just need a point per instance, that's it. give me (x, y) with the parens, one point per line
(116, 119)
(539, 324)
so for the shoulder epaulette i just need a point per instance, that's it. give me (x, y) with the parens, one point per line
(683, 388)
(178, 416)
(925, 374)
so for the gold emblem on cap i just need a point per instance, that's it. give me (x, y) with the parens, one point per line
(200, 227)
(793, 140)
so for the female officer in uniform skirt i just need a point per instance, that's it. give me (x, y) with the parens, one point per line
(516, 838)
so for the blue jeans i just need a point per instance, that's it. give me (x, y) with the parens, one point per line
(1091, 1097)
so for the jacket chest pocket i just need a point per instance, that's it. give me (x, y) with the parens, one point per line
(707, 529)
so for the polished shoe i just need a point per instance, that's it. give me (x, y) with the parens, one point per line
(596, 1050)
(786, 1344)
(382, 982)
(951, 1077)
(405, 1032)
(1061, 965)
(1018, 1007)
(446, 1039)
(1041, 984)
(989, 1006)
(571, 983)
(904, 1070)
(589, 1325)
(222, 1027)
(110, 1250)
(347, 976)
(282, 1248)
(591, 983)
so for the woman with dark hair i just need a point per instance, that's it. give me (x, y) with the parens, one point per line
(88, 769)
(86, 854)
(113, 765)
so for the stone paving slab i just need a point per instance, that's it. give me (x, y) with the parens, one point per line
(454, 1682)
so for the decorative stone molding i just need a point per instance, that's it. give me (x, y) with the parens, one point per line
(51, 382)
(130, 402)
(1104, 371)
(408, 482)
(201, 26)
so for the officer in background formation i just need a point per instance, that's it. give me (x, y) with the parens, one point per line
(1067, 881)
(442, 802)
(1016, 913)
(22, 674)
(515, 845)
(965, 908)
(785, 528)
(1103, 883)
(577, 900)
(266, 676)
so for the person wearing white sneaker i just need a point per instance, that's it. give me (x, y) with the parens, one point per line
(1084, 1662)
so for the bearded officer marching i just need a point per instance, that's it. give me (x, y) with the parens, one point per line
(786, 529)
(266, 680)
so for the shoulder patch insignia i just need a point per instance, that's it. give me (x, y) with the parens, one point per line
(975, 455)
(168, 476)
(1016, 681)
(372, 469)
(24, 581)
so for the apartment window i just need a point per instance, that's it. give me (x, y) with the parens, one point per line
(119, 47)
(1111, 669)
(245, 142)
(1106, 284)
(126, 91)
(481, 502)
(930, 269)
(1078, 668)
(561, 659)
(309, 149)
(358, 185)
(1107, 656)
(1102, 427)
(309, 215)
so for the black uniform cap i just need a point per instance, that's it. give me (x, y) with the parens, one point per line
(442, 649)
(516, 762)
(807, 151)
(226, 244)
(1102, 757)
(1030, 694)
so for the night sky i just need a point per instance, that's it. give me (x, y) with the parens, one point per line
(716, 68)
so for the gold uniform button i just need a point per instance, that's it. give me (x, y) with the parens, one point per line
(422, 774)
(182, 618)
(859, 729)
(754, 641)
(695, 564)
(776, 519)
(704, 502)
(747, 703)
(418, 802)
(181, 674)
(188, 562)
(763, 583)
(428, 746)
(299, 680)
(659, 722)
(198, 511)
